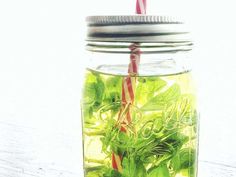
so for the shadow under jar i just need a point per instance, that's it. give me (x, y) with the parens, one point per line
(156, 133)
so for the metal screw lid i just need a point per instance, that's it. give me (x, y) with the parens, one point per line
(137, 28)
(131, 19)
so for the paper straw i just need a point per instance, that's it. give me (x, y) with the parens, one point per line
(128, 88)
(141, 7)
(128, 92)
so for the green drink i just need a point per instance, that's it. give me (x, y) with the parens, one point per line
(161, 140)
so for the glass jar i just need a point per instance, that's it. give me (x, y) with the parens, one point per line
(139, 105)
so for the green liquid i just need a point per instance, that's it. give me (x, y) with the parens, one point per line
(161, 140)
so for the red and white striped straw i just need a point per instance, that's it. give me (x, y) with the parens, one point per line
(128, 88)
(141, 7)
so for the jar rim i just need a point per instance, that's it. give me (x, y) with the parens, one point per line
(146, 48)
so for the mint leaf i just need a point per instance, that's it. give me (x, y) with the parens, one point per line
(113, 173)
(98, 171)
(141, 170)
(147, 87)
(163, 99)
(160, 171)
(113, 89)
(114, 84)
(133, 167)
(129, 167)
(184, 159)
(89, 93)
(99, 90)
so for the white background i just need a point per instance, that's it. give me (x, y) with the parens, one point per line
(42, 59)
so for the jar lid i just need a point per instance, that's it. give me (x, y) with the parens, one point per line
(137, 28)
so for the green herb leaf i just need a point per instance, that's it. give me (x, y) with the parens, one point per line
(184, 159)
(129, 167)
(132, 167)
(100, 88)
(163, 99)
(89, 93)
(113, 173)
(98, 171)
(160, 171)
(147, 87)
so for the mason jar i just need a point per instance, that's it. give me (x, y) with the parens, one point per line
(139, 109)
